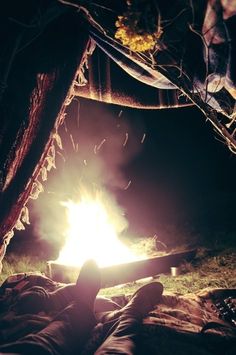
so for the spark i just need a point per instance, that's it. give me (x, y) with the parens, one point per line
(85, 162)
(126, 138)
(128, 185)
(65, 126)
(95, 149)
(143, 138)
(72, 141)
(100, 145)
(120, 113)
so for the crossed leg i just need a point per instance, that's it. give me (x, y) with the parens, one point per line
(71, 328)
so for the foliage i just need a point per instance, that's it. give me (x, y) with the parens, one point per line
(138, 28)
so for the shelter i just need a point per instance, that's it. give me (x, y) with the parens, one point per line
(165, 55)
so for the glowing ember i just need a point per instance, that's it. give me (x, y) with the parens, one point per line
(92, 234)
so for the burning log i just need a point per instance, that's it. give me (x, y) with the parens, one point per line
(123, 273)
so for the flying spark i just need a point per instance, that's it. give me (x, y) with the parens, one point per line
(65, 126)
(100, 145)
(126, 138)
(120, 113)
(128, 185)
(72, 141)
(143, 138)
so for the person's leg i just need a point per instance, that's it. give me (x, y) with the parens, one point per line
(62, 297)
(31, 301)
(123, 334)
(38, 299)
(66, 334)
(70, 329)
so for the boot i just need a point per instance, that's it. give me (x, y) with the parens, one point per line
(142, 301)
(122, 338)
(88, 283)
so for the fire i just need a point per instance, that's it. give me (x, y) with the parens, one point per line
(93, 234)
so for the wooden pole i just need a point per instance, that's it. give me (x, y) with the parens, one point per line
(123, 273)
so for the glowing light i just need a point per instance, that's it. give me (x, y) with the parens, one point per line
(128, 185)
(101, 144)
(143, 138)
(92, 233)
(126, 139)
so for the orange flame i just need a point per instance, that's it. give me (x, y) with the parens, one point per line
(92, 234)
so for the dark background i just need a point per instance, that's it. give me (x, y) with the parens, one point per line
(182, 177)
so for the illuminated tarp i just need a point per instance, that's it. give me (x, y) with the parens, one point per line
(53, 50)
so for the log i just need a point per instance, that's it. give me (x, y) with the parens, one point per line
(122, 273)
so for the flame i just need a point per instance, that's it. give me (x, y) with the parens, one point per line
(92, 234)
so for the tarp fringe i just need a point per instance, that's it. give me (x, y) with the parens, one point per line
(37, 187)
(80, 78)
(44, 174)
(57, 138)
(24, 216)
(50, 159)
(19, 225)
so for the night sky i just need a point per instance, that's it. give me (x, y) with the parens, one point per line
(185, 177)
(180, 178)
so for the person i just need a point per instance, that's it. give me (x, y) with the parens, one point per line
(71, 328)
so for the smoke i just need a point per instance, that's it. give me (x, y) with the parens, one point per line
(105, 142)
(98, 143)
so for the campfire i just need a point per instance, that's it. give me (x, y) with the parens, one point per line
(93, 233)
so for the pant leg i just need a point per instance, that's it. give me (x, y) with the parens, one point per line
(65, 335)
(122, 336)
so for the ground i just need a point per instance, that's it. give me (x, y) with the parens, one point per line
(215, 267)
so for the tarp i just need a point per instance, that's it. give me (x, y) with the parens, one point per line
(54, 50)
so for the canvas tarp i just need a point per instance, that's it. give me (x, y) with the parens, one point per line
(54, 50)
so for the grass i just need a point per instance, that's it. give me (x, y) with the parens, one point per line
(14, 264)
(211, 268)
(217, 270)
